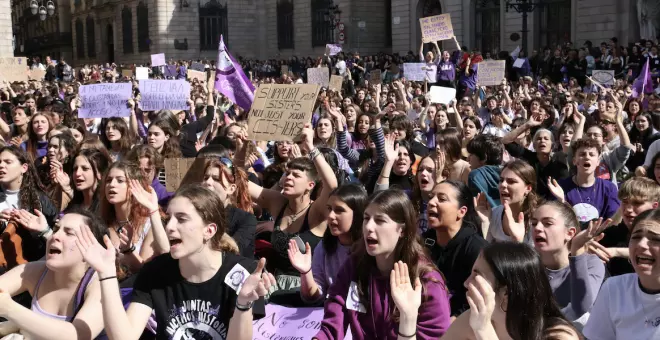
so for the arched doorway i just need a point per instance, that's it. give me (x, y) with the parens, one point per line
(111, 43)
(426, 8)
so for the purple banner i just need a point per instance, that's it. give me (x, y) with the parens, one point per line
(289, 323)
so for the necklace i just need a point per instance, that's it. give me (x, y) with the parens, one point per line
(579, 188)
(295, 216)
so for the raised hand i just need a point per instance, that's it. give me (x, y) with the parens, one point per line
(593, 232)
(302, 262)
(406, 297)
(101, 258)
(307, 137)
(256, 285)
(34, 223)
(440, 161)
(555, 189)
(514, 227)
(481, 298)
(535, 120)
(391, 151)
(482, 206)
(295, 151)
(148, 199)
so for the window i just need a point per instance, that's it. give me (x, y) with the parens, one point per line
(143, 27)
(388, 23)
(284, 24)
(320, 28)
(91, 38)
(212, 24)
(80, 39)
(127, 29)
(487, 25)
(554, 21)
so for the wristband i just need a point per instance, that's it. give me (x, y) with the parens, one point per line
(244, 308)
(108, 278)
(310, 269)
(406, 336)
(44, 232)
(129, 250)
(314, 153)
(154, 211)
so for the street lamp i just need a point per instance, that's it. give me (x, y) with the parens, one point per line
(524, 7)
(34, 7)
(332, 16)
(41, 10)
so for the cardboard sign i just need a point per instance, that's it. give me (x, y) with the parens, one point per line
(175, 170)
(38, 74)
(164, 95)
(318, 76)
(127, 73)
(336, 82)
(197, 67)
(491, 73)
(158, 59)
(284, 70)
(519, 63)
(289, 323)
(279, 112)
(604, 77)
(105, 100)
(200, 76)
(414, 71)
(437, 27)
(375, 77)
(332, 49)
(141, 73)
(442, 95)
(13, 69)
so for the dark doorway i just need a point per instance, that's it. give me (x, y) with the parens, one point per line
(111, 44)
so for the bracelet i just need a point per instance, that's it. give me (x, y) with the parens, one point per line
(154, 211)
(381, 176)
(314, 153)
(310, 269)
(108, 278)
(129, 250)
(406, 336)
(244, 308)
(44, 233)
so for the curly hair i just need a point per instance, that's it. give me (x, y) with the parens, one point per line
(31, 188)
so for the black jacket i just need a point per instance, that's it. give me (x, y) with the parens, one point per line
(241, 227)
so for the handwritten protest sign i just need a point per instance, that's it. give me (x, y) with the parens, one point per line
(284, 69)
(375, 77)
(37, 74)
(200, 76)
(519, 63)
(141, 73)
(279, 112)
(158, 59)
(127, 73)
(604, 77)
(437, 27)
(335, 82)
(332, 49)
(105, 100)
(13, 69)
(414, 71)
(442, 95)
(164, 95)
(318, 75)
(175, 170)
(491, 72)
(197, 67)
(289, 323)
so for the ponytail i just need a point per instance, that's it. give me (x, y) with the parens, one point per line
(242, 198)
(225, 244)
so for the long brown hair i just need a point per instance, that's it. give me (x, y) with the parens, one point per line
(237, 176)
(28, 197)
(395, 204)
(211, 210)
(528, 175)
(31, 144)
(171, 147)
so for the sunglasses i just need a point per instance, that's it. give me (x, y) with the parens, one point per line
(227, 162)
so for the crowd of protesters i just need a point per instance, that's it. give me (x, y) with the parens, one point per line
(526, 210)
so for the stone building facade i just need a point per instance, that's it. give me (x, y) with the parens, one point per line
(129, 31)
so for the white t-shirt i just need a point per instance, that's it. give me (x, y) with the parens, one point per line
(623, 311)
(11, 202)
(341, 67)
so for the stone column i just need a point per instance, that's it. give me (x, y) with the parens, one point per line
(6, 34)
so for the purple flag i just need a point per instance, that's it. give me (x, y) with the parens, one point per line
(643, 83)
(230, 80)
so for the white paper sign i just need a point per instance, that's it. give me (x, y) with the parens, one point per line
(318, 76)
(519, 63)
(604, 77)
(141, 73)
(158, 59)
(414, 71)
(442, 95)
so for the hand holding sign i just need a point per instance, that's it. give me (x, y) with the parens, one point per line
(256, 285)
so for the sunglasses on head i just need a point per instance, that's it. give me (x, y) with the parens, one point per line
(227, 162)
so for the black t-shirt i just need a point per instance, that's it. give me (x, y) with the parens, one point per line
(242, 226)
(555, 168)
(186, 310)
(617, 237)
(455, 262)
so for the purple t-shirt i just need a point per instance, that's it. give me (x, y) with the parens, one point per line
(446, 71)
(598, 200)
(470, 81)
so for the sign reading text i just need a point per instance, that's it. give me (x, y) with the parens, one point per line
(279, 112)
(414, 71)
(437, 27)
(158, 59)
(200, 76)
(336, 82)
(175, 170)
(491, 73)
(164, 95)
(318, 76)
(105, 100)
(289, 323)
(604, 77)
(13, 69)
(375, 77)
